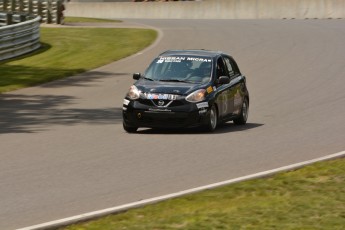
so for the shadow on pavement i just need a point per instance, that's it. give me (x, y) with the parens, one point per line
(84, 79)
(29, 114)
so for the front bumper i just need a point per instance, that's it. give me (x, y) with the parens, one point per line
(184, 115)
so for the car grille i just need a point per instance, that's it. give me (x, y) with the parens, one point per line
(168, 119)
(164, 121)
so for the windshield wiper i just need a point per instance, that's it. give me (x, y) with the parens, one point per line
(146, 78)
(175, 80)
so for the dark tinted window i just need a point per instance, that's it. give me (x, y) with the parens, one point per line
(231, 66)
(220, 68)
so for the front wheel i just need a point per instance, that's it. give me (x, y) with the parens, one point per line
(212, 119)
(129, 129)
(242, 119)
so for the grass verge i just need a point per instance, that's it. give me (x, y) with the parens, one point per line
(68, 51)
(309, 198)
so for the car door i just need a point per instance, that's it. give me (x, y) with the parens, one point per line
(236, 84)
(226, 92)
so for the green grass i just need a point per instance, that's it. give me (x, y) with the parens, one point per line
(68, 51)
(309, 198)
(80, 19)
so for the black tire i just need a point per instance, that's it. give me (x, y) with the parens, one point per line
(212, 119)
(129, 129)
(242, 119)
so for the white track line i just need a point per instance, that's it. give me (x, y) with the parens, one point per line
(91, 215)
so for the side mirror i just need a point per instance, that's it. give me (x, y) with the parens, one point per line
(223, 80)
(136, 76)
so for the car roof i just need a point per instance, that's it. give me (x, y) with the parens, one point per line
(201, 52)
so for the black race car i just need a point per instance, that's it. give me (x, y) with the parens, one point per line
(187, 88)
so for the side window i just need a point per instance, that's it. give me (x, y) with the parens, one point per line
(221, 70)
(230, 67)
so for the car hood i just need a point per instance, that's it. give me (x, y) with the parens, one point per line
(161, 87)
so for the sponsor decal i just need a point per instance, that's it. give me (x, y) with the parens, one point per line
(152, 96)
(163, 96)
(125, 101)
(199, 59)
(202, 105)
(180, 59)
(202, 110)
(209, 89)
(172, 97)
(170, 59)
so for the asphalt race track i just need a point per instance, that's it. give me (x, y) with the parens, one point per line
(63, 151)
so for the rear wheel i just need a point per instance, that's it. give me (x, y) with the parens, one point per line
(242, 119)
(212, 119)
(129, 129)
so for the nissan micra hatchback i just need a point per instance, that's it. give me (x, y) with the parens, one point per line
(187, 88)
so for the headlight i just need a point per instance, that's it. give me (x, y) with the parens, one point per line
(196, 96)
(133, 93)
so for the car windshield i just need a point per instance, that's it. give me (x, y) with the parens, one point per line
(192, 69)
